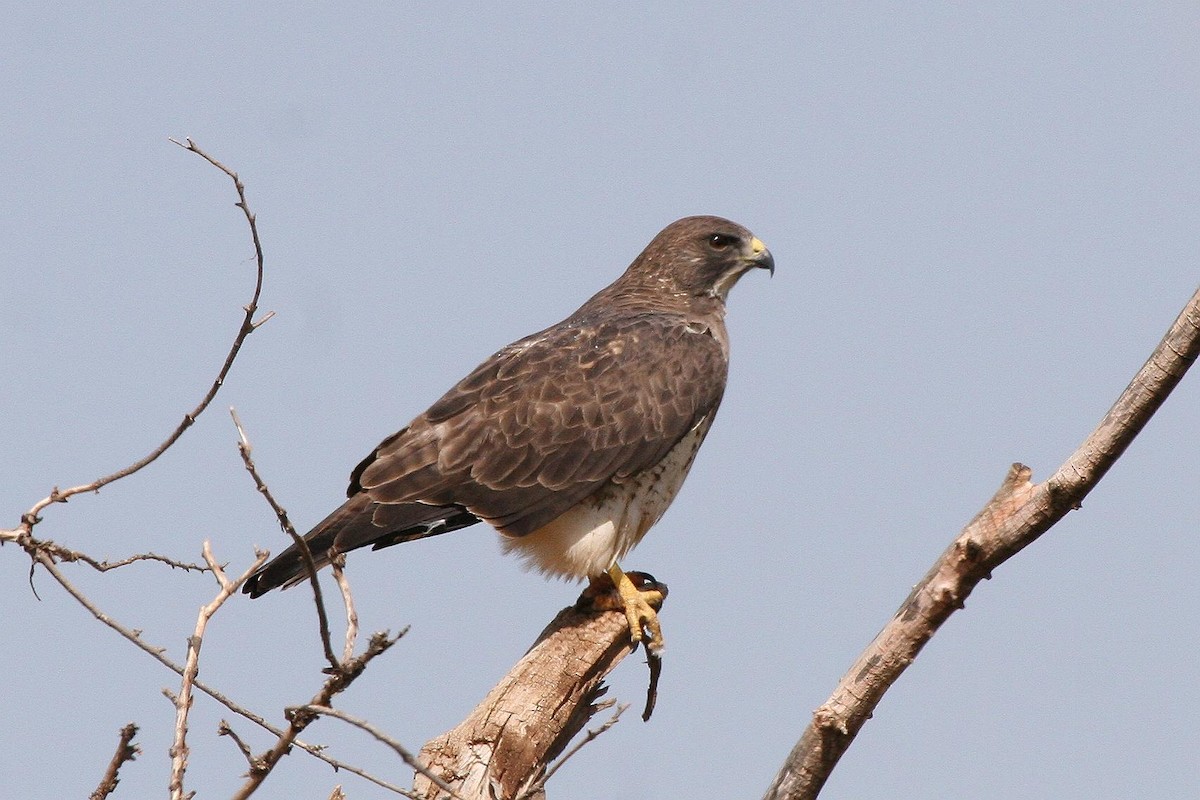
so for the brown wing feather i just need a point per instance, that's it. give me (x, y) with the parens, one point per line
(548, 420)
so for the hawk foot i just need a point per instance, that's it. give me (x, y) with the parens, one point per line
(639, 596)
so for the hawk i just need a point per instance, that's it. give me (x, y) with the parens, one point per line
(570, 442)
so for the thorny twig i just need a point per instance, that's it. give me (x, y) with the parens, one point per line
(310, 565)
(126, 751)
(65, 554)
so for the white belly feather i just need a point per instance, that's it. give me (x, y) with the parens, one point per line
(590, 538)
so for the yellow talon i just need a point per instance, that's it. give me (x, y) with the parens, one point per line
(639, 606)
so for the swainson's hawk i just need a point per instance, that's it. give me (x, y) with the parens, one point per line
(571, 442)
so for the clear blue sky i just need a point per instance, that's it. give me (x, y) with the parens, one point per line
(984, 217)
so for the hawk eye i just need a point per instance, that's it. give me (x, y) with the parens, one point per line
(720, 241)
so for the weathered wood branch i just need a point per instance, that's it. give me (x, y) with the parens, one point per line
(501, 751)
(1017, 515)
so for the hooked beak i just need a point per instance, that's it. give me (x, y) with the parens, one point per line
(760, 256)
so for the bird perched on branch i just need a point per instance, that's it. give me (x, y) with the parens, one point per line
(570, 442)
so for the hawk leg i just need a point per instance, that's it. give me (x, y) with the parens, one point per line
(638, 600)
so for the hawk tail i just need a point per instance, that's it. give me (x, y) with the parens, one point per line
(359, 522)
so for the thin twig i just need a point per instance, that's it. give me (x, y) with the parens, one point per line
(589, 736)
(66, 554)
(157, 653)
(310, 565)
(31, 518)
(1015, 517)
(400, 750)
(46, 553)
(183, 702)
(225, 729)
(106, 565)
(338, 563)
(126, 751)
(336, 683)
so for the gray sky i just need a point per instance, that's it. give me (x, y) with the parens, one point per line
(984, 218)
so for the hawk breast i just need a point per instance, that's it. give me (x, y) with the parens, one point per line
(596, 533)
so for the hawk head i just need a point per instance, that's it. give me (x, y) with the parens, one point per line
(701, 256)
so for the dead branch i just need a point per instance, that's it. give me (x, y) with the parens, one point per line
(398, 748)
(1016, 516)
(183, 702)
(66, 554)
(337, 566)
(299, 719)
(48, 554)
(284, 522)
(23, 533)
(224, 729)
(342, 673)
(502, 749)
(158, 654)
(126, 751)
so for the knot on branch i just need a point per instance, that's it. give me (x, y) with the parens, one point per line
(300, 716)
(826, 719)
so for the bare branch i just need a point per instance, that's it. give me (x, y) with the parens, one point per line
(126, 751)
(48, 554)
(1015, 517)
(396, 746)
(105, 566)
(183, 701)
(225, 729)
(338, 563)
(58, 552)
(157, 653)
(300, 719)
(31, 518)
(310, 564)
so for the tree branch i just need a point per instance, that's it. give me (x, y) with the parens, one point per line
(503, 748)
(126, 751)
(398, 748)
(310, 565)
(183, 702)
(1015, 517)
(158, 654)
(299, 718)
(537, 789)
(23, 532)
